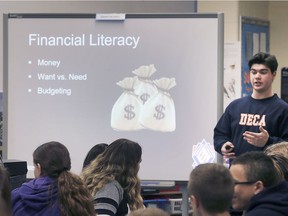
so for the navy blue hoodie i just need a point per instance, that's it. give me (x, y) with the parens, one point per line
(38, 197)
(246, 114)
(270, 202)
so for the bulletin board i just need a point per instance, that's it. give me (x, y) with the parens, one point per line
(254, 39)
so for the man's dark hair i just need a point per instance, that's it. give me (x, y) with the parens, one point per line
(264, 58)
(258, 167)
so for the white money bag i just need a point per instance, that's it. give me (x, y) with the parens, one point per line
(126, 110)
(144, 86)
(158, 113)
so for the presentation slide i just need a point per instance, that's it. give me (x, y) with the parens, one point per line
(86, 79)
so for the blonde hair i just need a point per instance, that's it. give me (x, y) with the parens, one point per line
(280, 148)
(120, 162)
(279, 154)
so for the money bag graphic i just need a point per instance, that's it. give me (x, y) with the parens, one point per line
(158, 112)
(144, 86)
(126, 110)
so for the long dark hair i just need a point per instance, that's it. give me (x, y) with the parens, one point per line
(94, 152)
(54, 160)
(120, 162)
(5, 195)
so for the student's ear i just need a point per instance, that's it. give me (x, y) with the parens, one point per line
(259, 186)
(37, 170)
(194, 202)
(274, 74)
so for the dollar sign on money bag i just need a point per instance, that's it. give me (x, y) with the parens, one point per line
(129, 112)
(159, 112)
(144, 97)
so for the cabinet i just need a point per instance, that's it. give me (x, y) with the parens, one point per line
(170, 200)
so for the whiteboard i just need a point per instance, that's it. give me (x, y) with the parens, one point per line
(60, 83)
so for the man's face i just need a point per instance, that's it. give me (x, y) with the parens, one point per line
(243, 190)
(261, 78)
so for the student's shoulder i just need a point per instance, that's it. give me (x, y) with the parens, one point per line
(114, 186)
(239, 101)
(281, 102)
(265, 212)
(111, 189)
(114, 183)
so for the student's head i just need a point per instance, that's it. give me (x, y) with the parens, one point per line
(278, 148)
(94, 152)
(5, 195)
(266, 59)
(50, 159)
(125, 155)
(279, 153)
(148, 212)
(252, 172)
(263, 67)
(210, 188)
(120, 161)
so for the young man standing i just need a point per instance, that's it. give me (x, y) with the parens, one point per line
(253, 122)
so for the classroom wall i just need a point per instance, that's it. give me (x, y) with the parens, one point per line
(278, 17)
(274, 11)
(231, 15)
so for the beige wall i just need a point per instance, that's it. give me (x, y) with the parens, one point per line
(274, 11)
(257, 9)
(278, 17)
(231, 15)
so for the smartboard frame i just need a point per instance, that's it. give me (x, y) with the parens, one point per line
(156, 165)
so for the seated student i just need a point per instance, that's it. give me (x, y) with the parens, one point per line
(93, 153)
(55, 190)
(113, 180)
(149, 212)
(279, 154)
(5, 195)
(279, 148)
(210, 189)
(259, 190)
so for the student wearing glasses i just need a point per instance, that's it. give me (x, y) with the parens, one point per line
(256, 121)
(259, 189)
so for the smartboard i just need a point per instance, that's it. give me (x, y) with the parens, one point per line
(82, 79)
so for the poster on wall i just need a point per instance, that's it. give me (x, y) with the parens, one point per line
(232, 72)
(254, 38)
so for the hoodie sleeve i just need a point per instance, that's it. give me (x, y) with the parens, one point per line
(107, 200)
(222, 132)
(16, 200)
